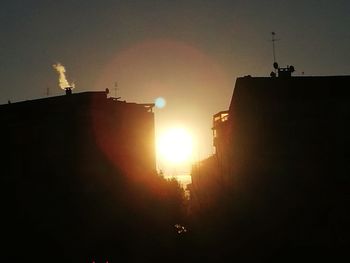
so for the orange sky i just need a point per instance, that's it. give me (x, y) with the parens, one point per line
(193, 84)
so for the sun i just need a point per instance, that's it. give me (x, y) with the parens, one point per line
(175, 145)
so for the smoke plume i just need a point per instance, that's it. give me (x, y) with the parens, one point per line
(62, 79)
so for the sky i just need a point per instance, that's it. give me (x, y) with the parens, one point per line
(188, 52)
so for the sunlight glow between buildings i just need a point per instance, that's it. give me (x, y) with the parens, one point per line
(175, 146)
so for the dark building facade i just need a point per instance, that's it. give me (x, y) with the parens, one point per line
(75, 131)
(285, 143)
(61, 160)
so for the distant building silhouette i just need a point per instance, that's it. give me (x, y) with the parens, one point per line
(285, 141)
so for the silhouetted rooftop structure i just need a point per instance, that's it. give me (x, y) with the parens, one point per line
(60, 156)
(285, 143)
(69, 128)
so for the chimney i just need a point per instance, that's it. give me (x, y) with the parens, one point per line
(68, 90)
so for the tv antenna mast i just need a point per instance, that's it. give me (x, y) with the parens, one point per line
(273, 40)
(115, 89)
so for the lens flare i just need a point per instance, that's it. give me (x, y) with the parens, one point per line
(160, 102)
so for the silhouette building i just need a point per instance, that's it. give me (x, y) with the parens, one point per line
(60, 157)
(76, 131)
(285, 142)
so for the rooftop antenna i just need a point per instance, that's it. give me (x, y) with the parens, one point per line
(115, 89)
(273, 40)
(275, 64)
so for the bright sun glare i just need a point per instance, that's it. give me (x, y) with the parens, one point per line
(175, 146)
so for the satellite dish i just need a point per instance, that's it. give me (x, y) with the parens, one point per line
(275, 65)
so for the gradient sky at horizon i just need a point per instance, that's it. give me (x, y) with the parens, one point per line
(188, 52)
